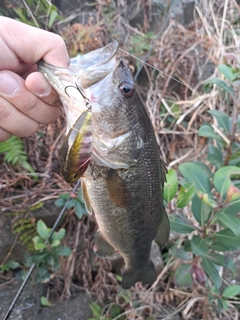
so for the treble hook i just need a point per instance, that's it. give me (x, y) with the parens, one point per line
(80, 90)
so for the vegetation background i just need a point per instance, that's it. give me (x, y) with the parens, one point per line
(190, 83)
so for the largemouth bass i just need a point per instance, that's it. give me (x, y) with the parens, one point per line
(122, 175)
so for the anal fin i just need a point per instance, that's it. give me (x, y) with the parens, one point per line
(101, 247)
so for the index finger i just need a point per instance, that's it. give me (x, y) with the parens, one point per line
(30, 44)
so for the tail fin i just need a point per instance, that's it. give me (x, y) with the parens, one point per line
(147, 275)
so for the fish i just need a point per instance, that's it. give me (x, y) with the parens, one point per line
(122, 183)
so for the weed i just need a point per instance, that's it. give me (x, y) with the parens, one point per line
(214, 193)
(47, 252)
(14, 153)
(76, 202)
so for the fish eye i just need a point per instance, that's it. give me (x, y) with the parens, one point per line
(74, 177)
(127, 89)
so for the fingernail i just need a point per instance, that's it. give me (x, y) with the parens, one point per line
(41, 87)
(8, 84)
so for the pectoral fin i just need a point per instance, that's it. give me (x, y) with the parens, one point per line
(101, 247)
(117, 189)
(163, 230)
(86, 198)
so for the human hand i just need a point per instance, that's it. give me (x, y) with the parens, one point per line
(26, 98)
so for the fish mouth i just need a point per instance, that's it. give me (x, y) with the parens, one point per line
(73, 83)
(84, 70)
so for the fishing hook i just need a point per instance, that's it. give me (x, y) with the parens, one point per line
(80, 90)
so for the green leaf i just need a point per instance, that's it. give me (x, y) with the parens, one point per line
(222, 119)
(12, 264)
(232, 207)
(42, 230)
(171, 185)
(187, 191)
(227, 238)
(39, 257)
(55, 243)
(180, 253)
(231, 222)
(38, 243)
(212, 271)
(197, 173)
(65, 196)
(201, 210)
(59, 235)
(215, 156)
(227, 71)
(45, 302)
(53, 15)
(224, 304)
(222, 260)
(187, 246)
(207, 131)
(118, 277)
(79, 210)
(231, 291)
(60, 202)
(62, 251)
(199, 246)
(180, 225)
(210, 202)
(183, 276)
(222, 84)
(96, 309)
(72, 203)
(221, 178)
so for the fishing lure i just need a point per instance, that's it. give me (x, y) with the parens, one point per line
(77, 148)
